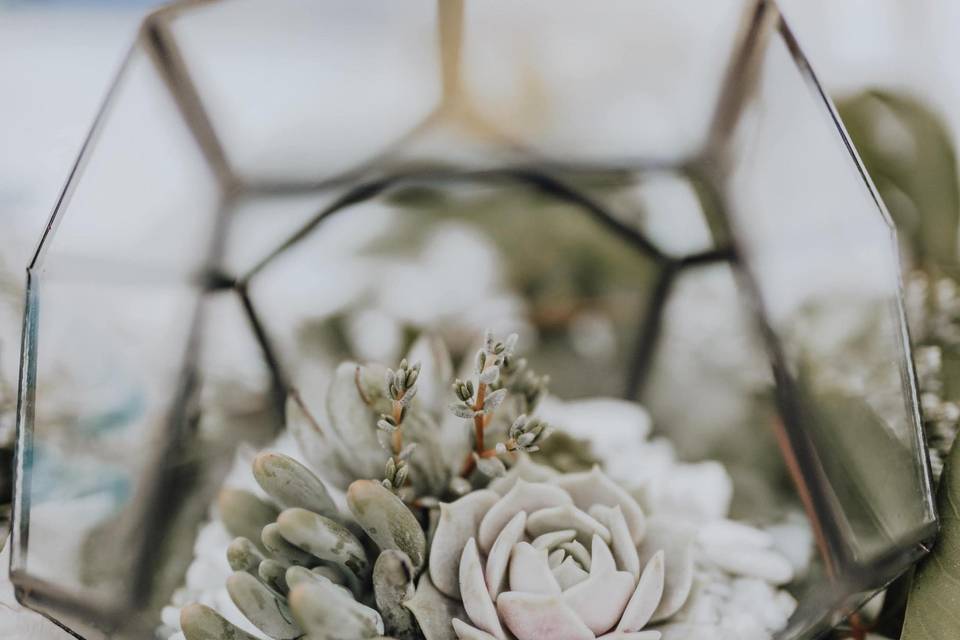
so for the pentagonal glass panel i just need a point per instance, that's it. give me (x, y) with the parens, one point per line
(824, 262)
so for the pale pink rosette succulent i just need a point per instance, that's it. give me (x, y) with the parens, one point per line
(541, 556)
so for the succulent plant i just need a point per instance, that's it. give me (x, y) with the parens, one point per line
(310, 570)
(303, 568)
(361, 428)
(452, 531)
(560, 557)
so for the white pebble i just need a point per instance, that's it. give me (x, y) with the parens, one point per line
(755, 563)
(171, 617)
(728, 533)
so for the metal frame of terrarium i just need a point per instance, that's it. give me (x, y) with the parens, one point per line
(84, 617)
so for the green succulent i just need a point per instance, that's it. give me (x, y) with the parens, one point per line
(304, 569)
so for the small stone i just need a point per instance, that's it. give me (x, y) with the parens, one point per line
(728, 533)
(756, 563)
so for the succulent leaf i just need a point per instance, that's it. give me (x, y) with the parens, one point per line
(200, 622)
(273, 574)
(244, 514)
(353, 420)
(393, 575)
(327, 540)
(387, 520)
(282, 549)
(262, 607)
(434, 611)
(326, 613)
(243, 555)
(292, 484)
(434, 379)
(458, 523)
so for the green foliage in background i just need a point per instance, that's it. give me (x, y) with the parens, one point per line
(933, 608)
(908, 152)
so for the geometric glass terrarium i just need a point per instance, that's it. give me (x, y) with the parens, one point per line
(663, 203)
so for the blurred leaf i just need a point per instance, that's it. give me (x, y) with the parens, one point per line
(933, 608)
(907, 150)
(870, 471)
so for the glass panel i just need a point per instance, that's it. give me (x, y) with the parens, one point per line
(307, 90)
(824, 262)
(113, 301)
(386, 269)
(538, 72)
(143, 205)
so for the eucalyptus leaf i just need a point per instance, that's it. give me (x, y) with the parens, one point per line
(933, 607)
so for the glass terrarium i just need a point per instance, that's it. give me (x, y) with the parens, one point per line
(661, 202)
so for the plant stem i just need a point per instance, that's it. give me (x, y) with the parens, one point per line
(398, 433)
(480, 420)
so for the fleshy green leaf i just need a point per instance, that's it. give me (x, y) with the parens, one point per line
(393, 585)
(387, 520)
(203, 623)
(324, 611)
(262, 607)
(243, 555)
(933, 608)
(325, 539)
(292, 484)
(907, 150)
(244, 514)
